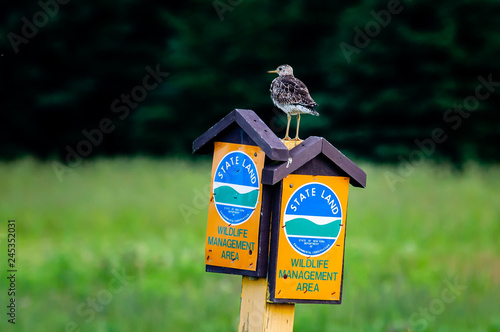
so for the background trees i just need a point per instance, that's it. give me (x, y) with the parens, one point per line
(415, 72)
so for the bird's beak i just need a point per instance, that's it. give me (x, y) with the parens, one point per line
(273, 72)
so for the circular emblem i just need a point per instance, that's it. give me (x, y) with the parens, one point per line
(312, 219)
(236, 187)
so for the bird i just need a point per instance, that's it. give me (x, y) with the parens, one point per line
(291, 95)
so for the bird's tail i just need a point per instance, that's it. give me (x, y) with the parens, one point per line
(313, 112)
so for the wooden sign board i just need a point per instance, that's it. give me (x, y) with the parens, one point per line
(232, 242)
(307, 248)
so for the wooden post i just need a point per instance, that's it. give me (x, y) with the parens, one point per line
(279, 317)
(256, 314)
(291, 144)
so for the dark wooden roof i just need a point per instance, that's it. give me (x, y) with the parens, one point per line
(308, 150)
(253, 128)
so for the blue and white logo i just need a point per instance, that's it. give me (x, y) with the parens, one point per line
(312, 219)
(236, 187)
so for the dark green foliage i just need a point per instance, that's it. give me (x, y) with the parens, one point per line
(392, 91)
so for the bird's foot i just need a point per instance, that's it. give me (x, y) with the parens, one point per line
(287, 138)
(297, 139)
(291, 143)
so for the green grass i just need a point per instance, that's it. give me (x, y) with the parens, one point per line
(148, 217)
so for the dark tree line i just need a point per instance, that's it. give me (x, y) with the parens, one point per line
(391, 78)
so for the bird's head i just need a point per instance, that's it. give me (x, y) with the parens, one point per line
(283, 70)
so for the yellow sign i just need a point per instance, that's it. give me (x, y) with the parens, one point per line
(235, 204)
(310, 254)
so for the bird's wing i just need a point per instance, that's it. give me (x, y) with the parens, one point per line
(290, 90)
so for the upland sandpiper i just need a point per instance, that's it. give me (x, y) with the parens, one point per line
(290, 95)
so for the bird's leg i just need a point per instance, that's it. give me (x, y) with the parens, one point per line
(297, 134)
(289, 117)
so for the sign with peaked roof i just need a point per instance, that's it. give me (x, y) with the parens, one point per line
(306, 262)
(239, 212)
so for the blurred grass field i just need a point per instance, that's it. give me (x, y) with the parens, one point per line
(129, 216)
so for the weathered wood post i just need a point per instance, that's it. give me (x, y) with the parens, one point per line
(258, 187)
